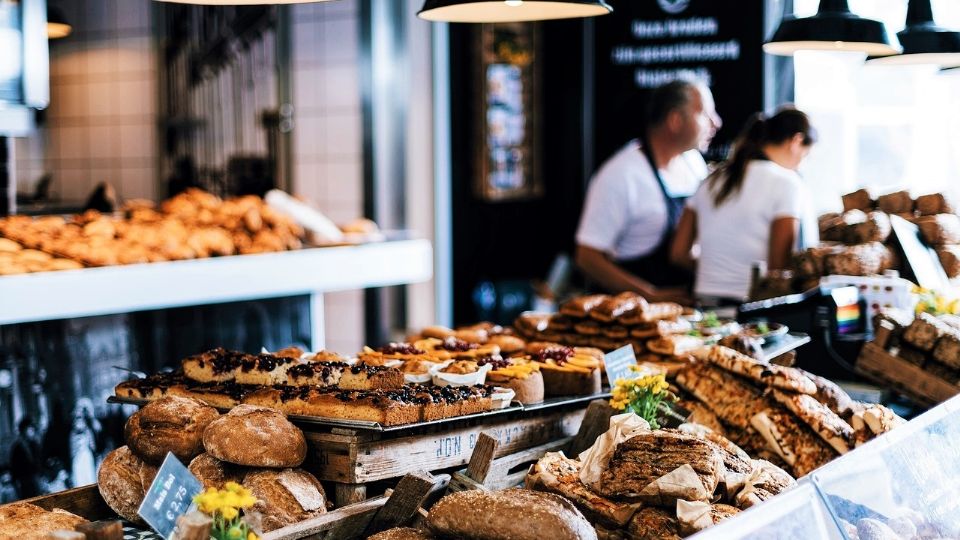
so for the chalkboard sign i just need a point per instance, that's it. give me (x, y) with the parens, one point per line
(644, 44)
(170, 496)
(617, 363)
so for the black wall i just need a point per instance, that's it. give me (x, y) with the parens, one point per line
(517, 240)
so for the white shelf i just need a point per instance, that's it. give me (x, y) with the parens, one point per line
(123, 289)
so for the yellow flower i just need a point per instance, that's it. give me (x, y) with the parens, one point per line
(234, 487)
(252, 536)
(229, 513)
(235, 533)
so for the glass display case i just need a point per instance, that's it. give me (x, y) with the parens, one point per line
(905, 484)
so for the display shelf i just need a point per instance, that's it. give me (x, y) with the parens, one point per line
(123, 289)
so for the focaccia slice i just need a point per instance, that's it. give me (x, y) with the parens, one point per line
(766, 374)
(824, 422)
(733, 400)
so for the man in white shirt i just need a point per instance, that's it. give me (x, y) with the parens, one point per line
(632, 207)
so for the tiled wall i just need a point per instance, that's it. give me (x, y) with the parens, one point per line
(101, 122)
(327, 138)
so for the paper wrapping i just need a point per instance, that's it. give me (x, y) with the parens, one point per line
(596, 458)
(694, 516)
(324, 230)
(680, 483)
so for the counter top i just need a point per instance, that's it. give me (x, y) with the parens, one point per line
(123, 289)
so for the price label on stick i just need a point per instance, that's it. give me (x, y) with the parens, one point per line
(170, 496)
(617, 363)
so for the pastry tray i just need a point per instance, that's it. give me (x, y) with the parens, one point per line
(514, 407)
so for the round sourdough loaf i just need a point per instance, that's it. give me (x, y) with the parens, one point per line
(214, 473)
(256, 437)
(517, 514)
(123, 480)
(283, 497)
(169, 424)
(402, 533)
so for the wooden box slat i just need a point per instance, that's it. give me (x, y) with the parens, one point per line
(361, 461)
(904, 377)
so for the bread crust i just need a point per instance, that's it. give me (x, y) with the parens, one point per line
(123, 481)
(169, 424)
(284, 497)
(214, 473)
(27, 521)
(517, 514)
(256, 437)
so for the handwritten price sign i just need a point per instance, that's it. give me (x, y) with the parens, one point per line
(169, 497)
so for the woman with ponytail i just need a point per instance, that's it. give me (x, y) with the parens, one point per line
(748, 210)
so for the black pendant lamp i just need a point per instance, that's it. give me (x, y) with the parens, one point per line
(923, 41)
(833, 28)
(241, 2)
(57, 25)
(499, 11)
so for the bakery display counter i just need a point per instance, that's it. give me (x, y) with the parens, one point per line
(901, 485)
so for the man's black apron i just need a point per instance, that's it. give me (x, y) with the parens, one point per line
(655, 267)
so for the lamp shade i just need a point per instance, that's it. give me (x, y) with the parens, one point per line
(498, 11)
(923, 41)
(833, 28)
(57, 25)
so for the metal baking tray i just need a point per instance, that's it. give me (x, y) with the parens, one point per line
(364, 425)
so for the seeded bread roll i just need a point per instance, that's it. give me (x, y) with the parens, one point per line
(402, 533)
(256, 437)
(214, 473)
(517, 514)
(169, 424)
(123, 480)
(284, 497)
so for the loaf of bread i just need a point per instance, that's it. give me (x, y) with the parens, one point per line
(256, 437)
(284, 497)
(875, 228)
(170, 424)
(517, 514)
(933, 204)
(860, 260)
(123, 480)
(858, 200)
(899, 202)
(939, 230)
(28, 521)
(402, 533)
(214, 473)
(924, 332)
(950, 260)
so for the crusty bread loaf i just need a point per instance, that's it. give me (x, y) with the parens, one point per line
(899, 202)
(858, 200)
(950, 260)
(214, 473)
(517, 514)
(27, 521)
(169, 424)
(284, 497)
(941, 229)
(402, 533)
(255, 437)
(933, 204)
(123, 480)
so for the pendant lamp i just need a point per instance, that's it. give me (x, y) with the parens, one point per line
(833, 28)
(499, 11)
(57, 25)
(923, 41)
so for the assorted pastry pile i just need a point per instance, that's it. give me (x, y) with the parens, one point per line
(253, 446)
(655, 330)
(193, 224)
(792, 418)
(320, 385)
(927, 341)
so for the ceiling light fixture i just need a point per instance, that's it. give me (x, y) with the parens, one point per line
(923, 41)
(57, 25)
(499, 11)
(833, 28)
(241, 2)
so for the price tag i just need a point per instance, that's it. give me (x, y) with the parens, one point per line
(617, 363)
(170, 496)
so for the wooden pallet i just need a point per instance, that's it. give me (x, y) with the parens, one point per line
(354, 458)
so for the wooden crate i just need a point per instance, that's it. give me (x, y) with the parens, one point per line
(353, 458)
(908, 379)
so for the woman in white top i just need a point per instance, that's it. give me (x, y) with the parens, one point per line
(748, 210)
